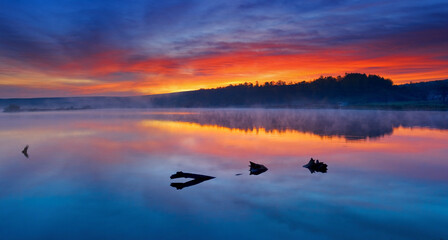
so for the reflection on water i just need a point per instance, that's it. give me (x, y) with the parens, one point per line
(103, 174)
(256, 169)
(197, 178)
(352, 125)
(25, 151)
(316, 166)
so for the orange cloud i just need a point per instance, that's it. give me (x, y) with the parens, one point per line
(95, 74)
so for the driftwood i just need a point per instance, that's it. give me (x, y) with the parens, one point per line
(25, 151)
(190, 175)
(316, 166)
(197, 178)
(256, 168)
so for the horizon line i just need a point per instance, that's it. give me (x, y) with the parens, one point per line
(197, 89)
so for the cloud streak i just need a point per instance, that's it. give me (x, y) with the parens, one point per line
(149, 47)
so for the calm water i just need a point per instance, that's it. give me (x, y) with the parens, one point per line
(106, 175)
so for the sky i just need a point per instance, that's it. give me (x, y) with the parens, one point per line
(56, 48)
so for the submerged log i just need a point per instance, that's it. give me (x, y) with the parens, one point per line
(197, 178)
(256, 169)
(316, 166)
(181, 174)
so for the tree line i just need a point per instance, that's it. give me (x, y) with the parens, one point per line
(352, 88)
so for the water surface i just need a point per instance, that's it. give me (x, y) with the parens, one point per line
(105, 174)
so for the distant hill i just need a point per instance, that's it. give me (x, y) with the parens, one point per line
(351, 90)
(354, 90)
(76, 102)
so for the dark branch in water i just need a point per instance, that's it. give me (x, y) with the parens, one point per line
(197, 178)
(257, 169)
(316, 166)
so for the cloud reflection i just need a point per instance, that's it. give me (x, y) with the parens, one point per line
(109, 168)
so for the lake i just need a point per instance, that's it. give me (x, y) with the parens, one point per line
(105, 174)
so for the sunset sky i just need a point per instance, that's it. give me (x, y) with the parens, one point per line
(52, 48)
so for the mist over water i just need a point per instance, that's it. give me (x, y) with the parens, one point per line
(105, 174)
(349, 124)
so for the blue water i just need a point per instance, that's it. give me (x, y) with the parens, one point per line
(105, 174)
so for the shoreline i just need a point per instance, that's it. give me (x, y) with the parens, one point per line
(396, 106)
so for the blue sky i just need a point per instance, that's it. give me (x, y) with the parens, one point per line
(63, 48)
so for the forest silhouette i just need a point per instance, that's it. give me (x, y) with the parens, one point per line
(352, 88)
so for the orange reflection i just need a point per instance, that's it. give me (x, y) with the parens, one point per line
(233, 143)
(408, 151)
(90, 138)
